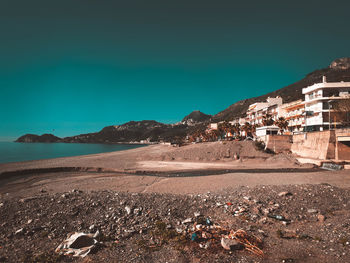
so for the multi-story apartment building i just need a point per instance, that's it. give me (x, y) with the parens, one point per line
(294, 113)
(258, 110)
(320, 101)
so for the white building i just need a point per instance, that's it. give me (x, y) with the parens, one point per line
(266, 130)
(294, 113)
(318, 104)
(258, 110)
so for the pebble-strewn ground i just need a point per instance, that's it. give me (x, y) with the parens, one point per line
(314, 225)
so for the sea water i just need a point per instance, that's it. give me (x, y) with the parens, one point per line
(18, 152)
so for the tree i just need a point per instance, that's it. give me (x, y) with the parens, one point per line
(282, 123)
(267, 120)
(236, 129)
(247, 128)
(344, 107)
(225, 128)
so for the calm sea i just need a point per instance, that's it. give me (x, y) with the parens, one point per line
(18, 152)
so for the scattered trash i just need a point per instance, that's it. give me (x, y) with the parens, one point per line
(312, 211)
(78, 244)
(231, 244)
(211, 233)
(278, 217)
(208, 222)
(332, 166)
(197, 214)
(194, 237)
(284, 194)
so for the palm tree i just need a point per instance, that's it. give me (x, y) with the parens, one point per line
(267, 120)
(282, 123)
(343, 106)
(224, 128)
(236, 129)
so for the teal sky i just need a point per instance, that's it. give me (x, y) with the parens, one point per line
(70, 67)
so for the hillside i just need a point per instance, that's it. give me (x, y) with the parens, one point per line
(196, 116)
(339, 70)
(133, 131)
(38, 138)
(153, 131)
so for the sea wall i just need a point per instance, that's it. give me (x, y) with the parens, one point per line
(317, 145)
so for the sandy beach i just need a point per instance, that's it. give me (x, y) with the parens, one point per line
(233, 184)
(197, 168)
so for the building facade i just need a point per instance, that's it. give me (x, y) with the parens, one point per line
(294, 113)
(320, 105)
(258, 110)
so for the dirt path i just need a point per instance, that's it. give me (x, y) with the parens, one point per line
(63, 182)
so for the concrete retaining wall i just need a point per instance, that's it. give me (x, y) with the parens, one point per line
(318, 145)
(278, 143)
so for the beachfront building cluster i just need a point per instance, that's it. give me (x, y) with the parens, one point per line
(258, 110)
(317, 111)
(320, 103)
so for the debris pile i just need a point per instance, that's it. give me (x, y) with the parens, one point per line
(209, 234)
(78, 244)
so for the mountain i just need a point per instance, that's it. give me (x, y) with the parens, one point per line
(339, 70)
(196, 116)
(134, 131)
(38, 138)
(153, 131)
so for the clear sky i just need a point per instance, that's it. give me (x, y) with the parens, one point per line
(75, 66)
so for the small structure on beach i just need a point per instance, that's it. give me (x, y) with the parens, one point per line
(266, 130)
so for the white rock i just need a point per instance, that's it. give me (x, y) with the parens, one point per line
(187, 220)
(128, 210)
(19, 231)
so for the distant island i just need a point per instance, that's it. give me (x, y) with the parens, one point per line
(148, 131)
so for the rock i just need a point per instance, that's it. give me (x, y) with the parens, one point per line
(312, 211)
(128, 210)
(205, 245)
(340, 64)
(19, 231)
(1, 204)
(321, 218)
(179, 230)
(91, 227)
(64, 195)
(197, 214)
(230, 244)
(281, 194)
(187, 221)
(137, 211)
